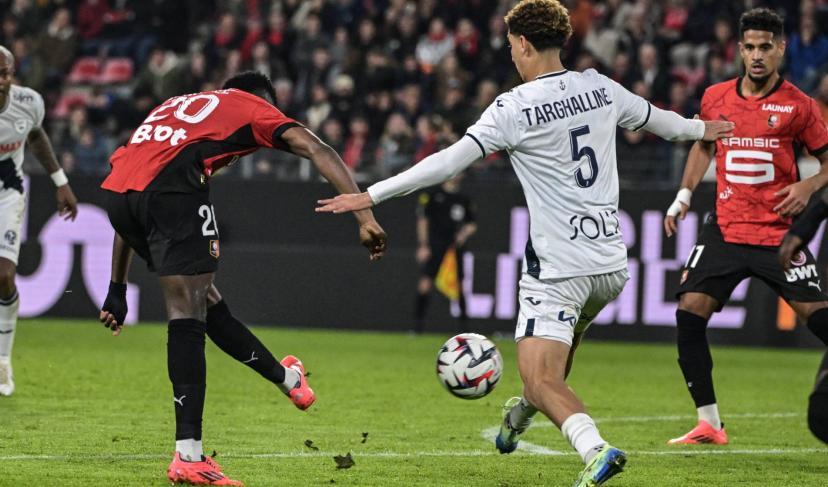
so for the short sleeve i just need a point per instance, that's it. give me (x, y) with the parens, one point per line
(633, 111)
(269, 124)
(498, 127)
(38, 109)
(814, 134)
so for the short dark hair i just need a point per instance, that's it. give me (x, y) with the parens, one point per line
(544, 23)
(252, 82)
(762, 19)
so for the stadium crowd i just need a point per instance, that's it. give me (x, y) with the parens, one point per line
(385, 82)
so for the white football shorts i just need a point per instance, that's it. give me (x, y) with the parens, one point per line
(557, 309)
(12, 206)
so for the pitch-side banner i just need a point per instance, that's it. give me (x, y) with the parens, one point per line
(282, 264)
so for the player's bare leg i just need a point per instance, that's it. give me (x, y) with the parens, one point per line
(9, 305)
(543, 367)
(694, 312)
(236, 340)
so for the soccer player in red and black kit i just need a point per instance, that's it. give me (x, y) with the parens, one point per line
(159, 206)
(759, 191)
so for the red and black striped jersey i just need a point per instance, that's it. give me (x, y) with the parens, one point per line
(759, 159)
(187, 138)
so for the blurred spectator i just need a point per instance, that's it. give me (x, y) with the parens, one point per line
(408, 100)
(227, 37)
(319, 109)
(426, 137)
(284, 97)
(358, 151)
(821, 96)
(56, 45)
(377, 74)
(404, 40)
(467, 40)
(320, 72)
(434, 46)
(342, 98)
(307, 41)
(333, 134)
(91, 156)
(277, 37)
(651, 72)
(396, 147)
(450, 76)
(454, 110)
(807, 52)
(28, 68)
(160, 76)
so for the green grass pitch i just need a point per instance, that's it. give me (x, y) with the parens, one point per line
(91, 409)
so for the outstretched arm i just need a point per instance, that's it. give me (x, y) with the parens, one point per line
(305, 143)
(432, 170)
(42, 148)
(698, 160)
(672, 126)
(114, 310)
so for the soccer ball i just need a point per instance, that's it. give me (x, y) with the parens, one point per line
(469, 365)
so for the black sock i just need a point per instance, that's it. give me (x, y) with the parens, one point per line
(464, 317)
(818, 403)
(188, 373)
(694, 357)
(420, 306)
(818, 324)
(237, 341)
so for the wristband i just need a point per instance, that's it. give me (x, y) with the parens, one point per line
(59, 178)
(117, 288)
(683, 197)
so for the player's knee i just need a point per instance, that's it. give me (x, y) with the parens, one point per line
(818, 324)
(818, 415)
(7, 275)
(698, 304)
(690, 327)
(537, 387)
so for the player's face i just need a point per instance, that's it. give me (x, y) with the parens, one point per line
(761, 54)
(517, 53)
(6, 74)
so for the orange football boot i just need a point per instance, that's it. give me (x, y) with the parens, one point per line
(301, 395)
(702, 434)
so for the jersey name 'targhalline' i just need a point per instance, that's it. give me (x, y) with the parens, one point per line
(759, 159)
(188, 138)
(559, 131)
(24, 111)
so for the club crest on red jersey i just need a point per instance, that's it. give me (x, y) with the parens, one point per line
(214, 248)
(773, 121)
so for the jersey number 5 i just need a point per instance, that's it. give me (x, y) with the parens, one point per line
(579, 153)
(765, 168)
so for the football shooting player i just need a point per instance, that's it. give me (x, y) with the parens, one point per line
(559, 129)
(21, 116)
(759, 191)
(798, 236)
(158, 204)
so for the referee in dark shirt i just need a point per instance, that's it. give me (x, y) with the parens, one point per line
(445, 219)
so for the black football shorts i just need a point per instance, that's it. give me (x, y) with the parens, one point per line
(175, 233)
(715, 267)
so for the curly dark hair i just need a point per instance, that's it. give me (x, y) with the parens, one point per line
(763, 19)
(254, 83)
(544, 23)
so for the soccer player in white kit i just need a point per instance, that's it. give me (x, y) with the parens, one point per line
(559, 130)
(21, 114)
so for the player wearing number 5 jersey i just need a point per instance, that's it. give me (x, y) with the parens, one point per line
(559, 130)
(159, 206)
(759, 191)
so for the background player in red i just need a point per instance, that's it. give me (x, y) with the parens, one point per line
(759, 191)
(160, 209)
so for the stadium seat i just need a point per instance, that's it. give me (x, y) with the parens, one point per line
(115, 71)
(85, 70)
(68, 101)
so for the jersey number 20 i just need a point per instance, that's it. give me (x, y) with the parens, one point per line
(579, 153)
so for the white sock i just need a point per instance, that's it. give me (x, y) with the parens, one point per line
(8, 323)
(710, 413)
(189, 450)
(291, 380)
(580, 431)
(521, 415)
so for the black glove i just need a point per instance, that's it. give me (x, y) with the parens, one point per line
(115, 302)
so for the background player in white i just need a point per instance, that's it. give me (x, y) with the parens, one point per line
(21, 114)
(559, 129)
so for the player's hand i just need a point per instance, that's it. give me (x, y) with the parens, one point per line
(373, 237)
(423, 254)
(791, 244)
(345, 203)
(114, 310)
(796, 198)
(670, 224)
(678, 208)
(717, 129)
(67, 204)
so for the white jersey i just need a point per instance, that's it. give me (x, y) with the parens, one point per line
(559, 131)
(24, 110)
